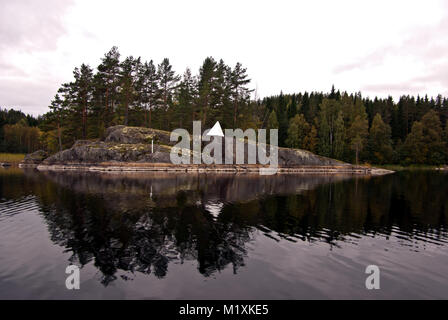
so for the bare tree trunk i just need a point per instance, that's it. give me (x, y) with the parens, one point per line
(106, 109)
(126, 111)
(145, 121)
(235, 111)
(204, 112)
(59, 136)
(84, 121)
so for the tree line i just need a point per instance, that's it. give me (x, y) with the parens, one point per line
(349, 127)
(134, 92)
(357, 129)
(19, 133)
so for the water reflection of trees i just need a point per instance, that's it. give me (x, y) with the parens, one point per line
(411, 204)
(141, 223)
(143, 240)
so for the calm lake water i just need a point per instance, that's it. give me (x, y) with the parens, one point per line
(208, 236)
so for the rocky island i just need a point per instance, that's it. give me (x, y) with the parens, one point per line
(125, 148)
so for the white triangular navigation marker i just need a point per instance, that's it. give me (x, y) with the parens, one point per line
(216, 130)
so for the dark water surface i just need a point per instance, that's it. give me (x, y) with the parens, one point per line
(207, 236)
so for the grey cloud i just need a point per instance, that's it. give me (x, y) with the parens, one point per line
(428, 45)
(437, 73)
(392, 88)
(12, 94)
(11, 70)
(28, 27)
(372, 59)
(31, 25)
(436, 76)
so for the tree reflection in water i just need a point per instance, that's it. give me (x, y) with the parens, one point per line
(142, 222)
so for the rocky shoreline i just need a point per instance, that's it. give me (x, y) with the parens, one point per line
(164, 167)
(136, 149)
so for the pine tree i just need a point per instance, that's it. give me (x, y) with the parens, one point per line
(239, 91)
(106, 84)
(221, 95)
(82, 89)
(128, 79)
(187, 96)
(150, 90)
(206, 84)
(168, 82)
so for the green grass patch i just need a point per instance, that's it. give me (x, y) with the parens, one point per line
(11, 157)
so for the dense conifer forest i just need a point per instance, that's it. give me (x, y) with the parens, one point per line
(134, 92)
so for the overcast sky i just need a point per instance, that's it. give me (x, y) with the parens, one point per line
(377, 47)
